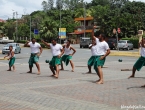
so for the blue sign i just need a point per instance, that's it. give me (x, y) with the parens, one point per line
(36, 31)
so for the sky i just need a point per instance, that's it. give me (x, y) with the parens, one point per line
(8, 7)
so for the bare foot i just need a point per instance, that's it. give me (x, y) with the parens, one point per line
(55, 76)
(38, 73)
(143, 86)
(132, 76)
(72, 70)
(29, 72)
(9, 70)
(100, 82)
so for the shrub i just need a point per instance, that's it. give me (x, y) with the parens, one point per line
(21, 41)
(133, 40)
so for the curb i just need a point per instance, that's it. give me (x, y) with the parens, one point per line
(130, 54)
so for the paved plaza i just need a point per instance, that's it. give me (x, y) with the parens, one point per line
(73, 90)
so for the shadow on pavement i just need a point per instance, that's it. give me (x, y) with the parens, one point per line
(135, 87)
(92, 81)
(89, 73)
(138, 77)
(28, 73)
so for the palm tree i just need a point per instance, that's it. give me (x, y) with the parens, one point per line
(49, 29)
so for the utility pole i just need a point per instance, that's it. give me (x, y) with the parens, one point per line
(16, 26)
(30, 27)
(60, 21)
(84, 19)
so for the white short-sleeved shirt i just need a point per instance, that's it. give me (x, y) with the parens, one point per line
(97, 40)
(102, 47)
(142, 51)
(34, 47)
(56, 49)
(93, 50)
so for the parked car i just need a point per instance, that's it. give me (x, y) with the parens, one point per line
(84, 42)
(6, 40)
(125, 44)
(16, 48)
(112, 43)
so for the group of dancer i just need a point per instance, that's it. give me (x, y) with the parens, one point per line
(63, 53)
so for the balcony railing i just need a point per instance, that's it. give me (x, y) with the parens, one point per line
(82, 28)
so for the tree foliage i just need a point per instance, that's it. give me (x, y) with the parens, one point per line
(108, 14)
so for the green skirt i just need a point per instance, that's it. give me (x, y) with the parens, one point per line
(66, 59)
(33, 59)
(92, 60)
(98, 62)
(12, 61)
(139, 63)
(55, 61)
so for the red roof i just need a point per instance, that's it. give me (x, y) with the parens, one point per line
(1, 20)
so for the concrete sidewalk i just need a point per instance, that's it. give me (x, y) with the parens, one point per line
(72, 90)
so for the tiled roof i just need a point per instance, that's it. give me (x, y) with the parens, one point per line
(1, 20)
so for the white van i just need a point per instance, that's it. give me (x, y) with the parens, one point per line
(85, 42)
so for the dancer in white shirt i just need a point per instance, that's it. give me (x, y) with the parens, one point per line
(57, 52)
(141, 60)
(92, 59)
(36, 51)
(102, 51)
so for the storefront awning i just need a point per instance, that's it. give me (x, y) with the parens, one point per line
(76, 33)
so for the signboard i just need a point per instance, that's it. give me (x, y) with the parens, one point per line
(62, 33)
(36, 31)
(140, 32)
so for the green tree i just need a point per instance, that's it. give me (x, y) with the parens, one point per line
(45, 6)
(50, 4)
(49, 29)
(23, 30)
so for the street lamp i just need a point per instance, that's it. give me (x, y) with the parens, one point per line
(16, 23)
(30, 26)
(84, 17)
(60, 21)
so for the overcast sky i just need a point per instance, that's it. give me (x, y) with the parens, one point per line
(7, 7)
